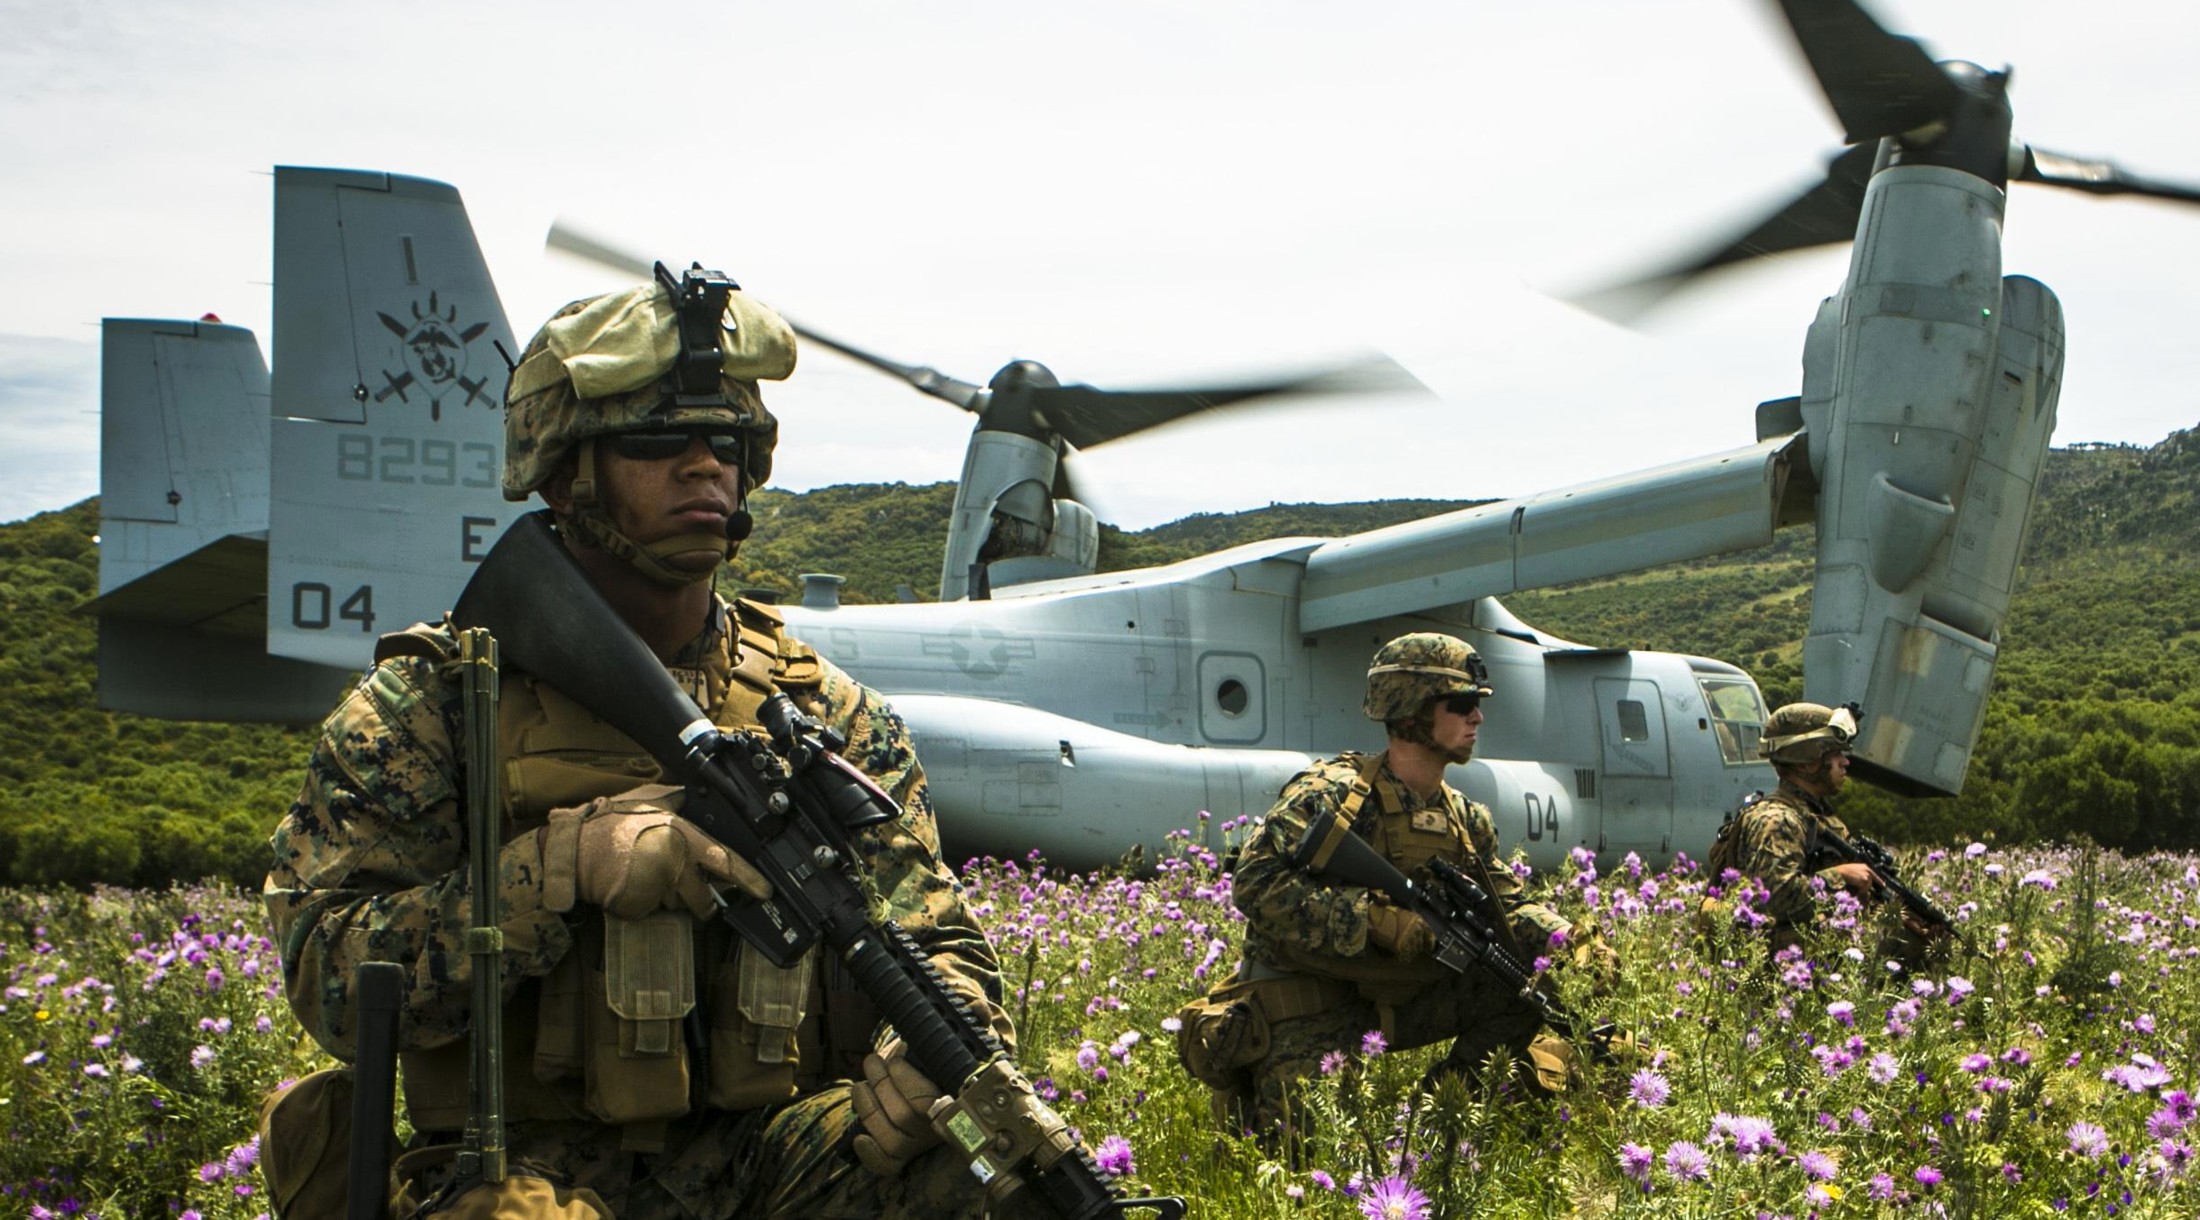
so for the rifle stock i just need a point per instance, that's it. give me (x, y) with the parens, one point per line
(381, 990)
(783, 805)
(1465, 941)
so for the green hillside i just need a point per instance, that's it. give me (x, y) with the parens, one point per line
(2093, 728)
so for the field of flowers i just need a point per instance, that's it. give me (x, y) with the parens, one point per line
(2049, 1065)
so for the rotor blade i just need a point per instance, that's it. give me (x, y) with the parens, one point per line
(2098, 177)
(1086, 416)
(1880, 84)
(572, 241)
(1067, 486)
(923, 376)
(1824, 214)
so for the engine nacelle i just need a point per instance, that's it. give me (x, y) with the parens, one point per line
(1929, 394)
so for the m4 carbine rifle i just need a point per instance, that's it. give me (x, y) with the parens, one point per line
(786, 804)
(1453, 906)
(1829, 849)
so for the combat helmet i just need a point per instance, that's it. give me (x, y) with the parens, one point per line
(676, 353)
(1413, 669)
(1803, 733)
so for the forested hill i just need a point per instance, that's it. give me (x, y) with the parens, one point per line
(2094, 725)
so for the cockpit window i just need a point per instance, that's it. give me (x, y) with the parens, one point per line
(1737, 717)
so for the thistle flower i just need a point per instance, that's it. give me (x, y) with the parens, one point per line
(1687, 1162)
(1649, 1090)
(1372, 1043)
(1635, 1161)
(1394, 1199)
(2087, 1140)
(1927, 1176)
(1114, 1157)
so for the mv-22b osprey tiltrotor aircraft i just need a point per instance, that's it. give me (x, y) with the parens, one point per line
(1083, 713)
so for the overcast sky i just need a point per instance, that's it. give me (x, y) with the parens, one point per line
(1129, 192)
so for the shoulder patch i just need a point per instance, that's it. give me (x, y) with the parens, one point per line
(799, 664)
(758, 615)
(429, 641)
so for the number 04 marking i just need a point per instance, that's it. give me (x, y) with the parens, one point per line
(309, 606)
(1542, 816)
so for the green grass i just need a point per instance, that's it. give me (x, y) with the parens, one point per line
(140, 1029)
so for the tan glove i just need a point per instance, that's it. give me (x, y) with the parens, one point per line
(893, 1102)
(1399, 932)
(631, 854)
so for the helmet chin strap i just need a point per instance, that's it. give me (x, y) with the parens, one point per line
(593, 522)
(1420, 730)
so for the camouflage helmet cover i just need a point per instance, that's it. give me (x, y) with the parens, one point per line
(1413, 669)
(597, 366)
(1802, 733)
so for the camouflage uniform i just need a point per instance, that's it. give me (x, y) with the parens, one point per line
(370, 864)
(1298, 926)
(1771, 841)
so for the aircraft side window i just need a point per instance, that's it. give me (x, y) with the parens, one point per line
(1232, 697)
(1634, 721)
(1737, 718)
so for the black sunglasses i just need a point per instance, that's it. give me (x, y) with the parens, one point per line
(1462, 704)
(656, 446)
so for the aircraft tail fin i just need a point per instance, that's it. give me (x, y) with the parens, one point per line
(388, 395)
(183, 455)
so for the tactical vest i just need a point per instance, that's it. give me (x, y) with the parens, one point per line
(566, 1051)
(1726, 848)
(1408, 841)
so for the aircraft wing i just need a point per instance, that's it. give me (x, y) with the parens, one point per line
(1707, 506)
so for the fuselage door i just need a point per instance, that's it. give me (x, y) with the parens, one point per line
(1636, 786)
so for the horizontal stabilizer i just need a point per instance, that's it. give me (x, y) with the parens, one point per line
(175, 673)
(1706, 506)
(219, 589)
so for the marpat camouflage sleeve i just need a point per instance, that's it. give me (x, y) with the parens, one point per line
(903, 856)
(1772, 841)
(370, 865)
(1285, 904)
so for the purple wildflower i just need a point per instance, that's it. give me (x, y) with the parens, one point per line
(1394, 1199)
(1842, 1011)
(1114, 1157)
(1322, 1179)
(1975, 1064)
(1818, 1166)
(1635, 1161)
(2087, 1140)
(1332, 1063)
(1687, 1162)
(1372, 1043)
(1927, 1176)
(1088, 1057)
(1881, 1187)
(1959, 989)
(1649, 1089)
